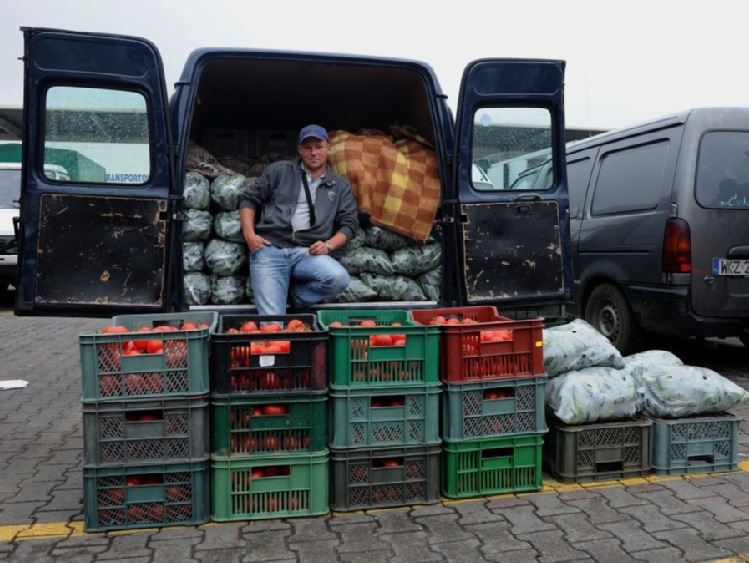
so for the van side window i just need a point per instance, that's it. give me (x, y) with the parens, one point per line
(630, 180)
(723, 170)
(578, 175)
(511, 149)
(96, 135)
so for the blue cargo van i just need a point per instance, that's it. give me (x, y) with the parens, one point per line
(116, 245)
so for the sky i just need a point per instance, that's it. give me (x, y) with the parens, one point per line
(626, 62)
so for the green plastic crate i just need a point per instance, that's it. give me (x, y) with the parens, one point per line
(243, 489)
(145, 496)
(597, 451)
(240, 426)
(366, 478)
(698, 444)
(364, 418)
(491, 409)
(355, 361)
(180, 369)
(491, 466)
(145, 430)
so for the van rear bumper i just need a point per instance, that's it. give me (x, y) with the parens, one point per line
(667, 311)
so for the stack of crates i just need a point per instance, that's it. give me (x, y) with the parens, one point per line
(493, 422)
(384, 409)
(269, 456)
(145, 421)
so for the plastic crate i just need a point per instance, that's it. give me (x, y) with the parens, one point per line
(384, 477)
(491, 466)
(145, 496)
(269, 425)
(363, 418)
(145, 430)
(357, 359)
(597, 451)
(261, 487)
(467, 353)
(491, 409)
(181, 368)
(237, 368)
(700, 444)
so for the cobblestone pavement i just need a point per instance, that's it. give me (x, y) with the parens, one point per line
(700, 518)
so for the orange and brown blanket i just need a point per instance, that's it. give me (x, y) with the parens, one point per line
(394, 177)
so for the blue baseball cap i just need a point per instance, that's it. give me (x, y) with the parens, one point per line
(313, 131)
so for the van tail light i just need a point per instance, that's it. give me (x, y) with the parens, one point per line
(677, 247)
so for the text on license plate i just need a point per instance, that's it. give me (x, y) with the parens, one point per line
(723, 267)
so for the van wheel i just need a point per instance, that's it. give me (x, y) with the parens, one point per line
(608, 312)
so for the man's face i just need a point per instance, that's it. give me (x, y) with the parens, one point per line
(314, 153)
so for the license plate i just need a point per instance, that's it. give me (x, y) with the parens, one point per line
(723, 267)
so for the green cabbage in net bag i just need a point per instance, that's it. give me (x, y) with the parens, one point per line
(193, 256)
(377, 237)
(358, 241)
(227, 290)
(197, 290)
(197, 191)
(394, 288)
(414, 261)
(197, 225)
(355, 292)
(225, 258)
(366, 259)
(227, 225)
(227, 190)
(430, 283)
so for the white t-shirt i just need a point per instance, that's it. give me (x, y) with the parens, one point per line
(300, 219)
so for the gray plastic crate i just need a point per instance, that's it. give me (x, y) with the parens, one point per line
(597, 451)
(700, 444)
(145, 430)
(384, 477)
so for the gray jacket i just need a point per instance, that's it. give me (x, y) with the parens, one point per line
(274, 197)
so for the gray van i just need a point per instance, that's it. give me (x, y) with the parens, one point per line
(659, 224)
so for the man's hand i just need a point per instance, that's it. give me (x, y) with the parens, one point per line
(319, 247)
(256, 242)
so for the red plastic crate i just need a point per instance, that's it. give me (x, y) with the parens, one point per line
(491, 347)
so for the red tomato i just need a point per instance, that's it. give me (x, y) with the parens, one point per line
(270, 410)
(271, 443)
(270, 380)
(381, 340)
(272, 471)
(115, 329)
(399, 339)
(174, 492)
(134, 480)
(271, 327)
(134, 384)
(257, 473)
(249, 326)
(368, 322)
(296, 325)
(188, 326)
(108, 386)
(336, 323)
(147, 417)
(155, 347)
(391, 463)
(116, 496)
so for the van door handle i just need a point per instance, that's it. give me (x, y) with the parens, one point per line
(742, 250)
(528, 197)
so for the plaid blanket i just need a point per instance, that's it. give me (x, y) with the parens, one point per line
(394, 178)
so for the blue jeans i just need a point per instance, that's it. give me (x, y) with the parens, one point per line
(314, 278)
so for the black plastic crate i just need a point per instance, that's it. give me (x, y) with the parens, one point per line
(249, 363)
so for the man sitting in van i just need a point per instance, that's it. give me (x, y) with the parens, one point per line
(293, 217)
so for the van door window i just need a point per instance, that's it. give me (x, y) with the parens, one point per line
(578, 174)
(723, 170)
(512, 149)
(630, 180)
(10, 188)
(96, 135)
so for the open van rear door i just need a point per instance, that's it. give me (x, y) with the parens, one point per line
(513, 212)
(95, 235)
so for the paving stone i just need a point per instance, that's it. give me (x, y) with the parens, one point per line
(227, 535)
(263, 526)
(65, 498)
(652, 519)
(692, 546)
(267, 546)
(433, 509)
(18, 512)
(359, 538)
(552, 547)
(221, 555)
(721, 509)
(173, 533)
(43, 516)
(310, 552)
(598, 510)
(465, 551)
(36, 551)
(549, 504)
(708, 528)
(497, 539)
(396, 522)
(581, 494)
(475, 513)
(172, 550)
(632, 537)
(644, 488)
(379, 556)
(521, 556)
(665, 555)
(443, 528)
(410, 548)
(619, 497)
(605, 551)
(577, 528)
(127, 546)
(523, 519)
(76, 555)
(733, 494)
(506, 502)
(666, 501)
(686, 490)
(739, 545)
(346, 518)
(310, 529)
